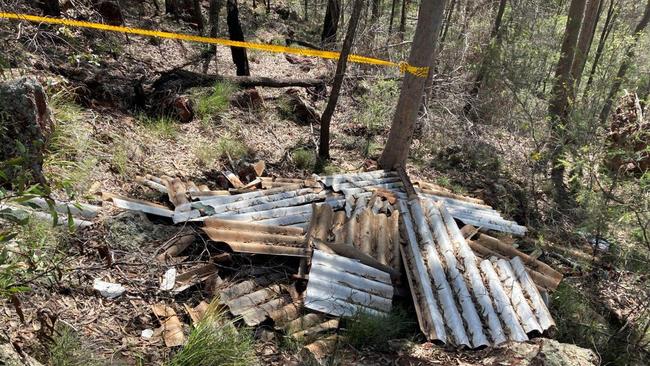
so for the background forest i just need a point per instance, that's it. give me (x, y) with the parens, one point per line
(537, 107)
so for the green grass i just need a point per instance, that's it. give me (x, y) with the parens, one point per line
(66, 349)
(304, 159)
(218, 101)
(72, 150)
(216, 341)
(164, 127)
(227, 146)
(375, 331)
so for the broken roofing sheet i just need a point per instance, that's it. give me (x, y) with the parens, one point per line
(354, 233)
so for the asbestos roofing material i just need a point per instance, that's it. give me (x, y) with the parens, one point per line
(258, 239)
(344, 287)
(257, 299)
(460, 299)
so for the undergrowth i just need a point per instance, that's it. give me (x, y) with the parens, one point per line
(72, 151)
(66, 349)
(304, 159)
(164, 127)
(210, 105)
(215, 340)
(375, 331)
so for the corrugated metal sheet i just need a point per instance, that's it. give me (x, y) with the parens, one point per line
(247, 237)
(344, 287)
(459, 299)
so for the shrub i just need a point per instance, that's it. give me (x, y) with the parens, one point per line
(162, 126)
(304, 159)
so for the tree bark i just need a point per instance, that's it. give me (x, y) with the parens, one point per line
(627, 61)
(375, 12)
(331, 22)
(562, 96)
(171, 7)
(604, 34)
(326, 118)
(592, 11)
(50, 7)
(401, 133)
(197, 15)
(236, 33)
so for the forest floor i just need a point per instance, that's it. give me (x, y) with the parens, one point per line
(102, 143)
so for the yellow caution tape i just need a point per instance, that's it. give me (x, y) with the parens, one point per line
(403, 66)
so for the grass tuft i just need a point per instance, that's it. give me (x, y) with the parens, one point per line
(216, 341)
(231, 147)
(66, 349)
(375, 331)
(209, 105)
(162, 126)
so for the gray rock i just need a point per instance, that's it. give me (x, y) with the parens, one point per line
(9, 357)
(25, 127)
(541, 352)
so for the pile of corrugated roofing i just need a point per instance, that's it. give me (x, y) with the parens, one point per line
(355, 235)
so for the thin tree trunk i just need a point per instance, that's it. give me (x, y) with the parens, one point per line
(592, 11)
(268, 6)
(171, 7)
(392, 17)
(213, 18)
(604, 34)
(627, 61)
(306, 13)
(450, 13)
(375, 12)
(493, 45)
(562, 96)
(424, 42)
(50, 7)
(331, 22)
(236, 33)
(324, 148)
(402, 21)
(198, 16)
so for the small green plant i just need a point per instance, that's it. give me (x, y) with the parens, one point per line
(375, 331)
(216, 341)
(304, 159)
(228, 147)
(161, 126)
(66, 349)
(205, 153)
(216, 102)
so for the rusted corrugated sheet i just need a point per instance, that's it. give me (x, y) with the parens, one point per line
(258, 239)
(460, 299)
(344, 287)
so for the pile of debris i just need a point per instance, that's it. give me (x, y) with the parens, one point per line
(348, 240)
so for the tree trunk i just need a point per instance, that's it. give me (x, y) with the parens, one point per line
(402, 21)
(627, 61)
(604, 34)
(493, 45)
(268, 6)
(331, 22)
(450, 13)
(324, 148)
(50, 7)
(198, 16)
(375, 12)
(306, 18)
(562, 96)
(171, 7)
(213, 18)
(426, 33)
(392, 16)
(592, 11)
(237, 34)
